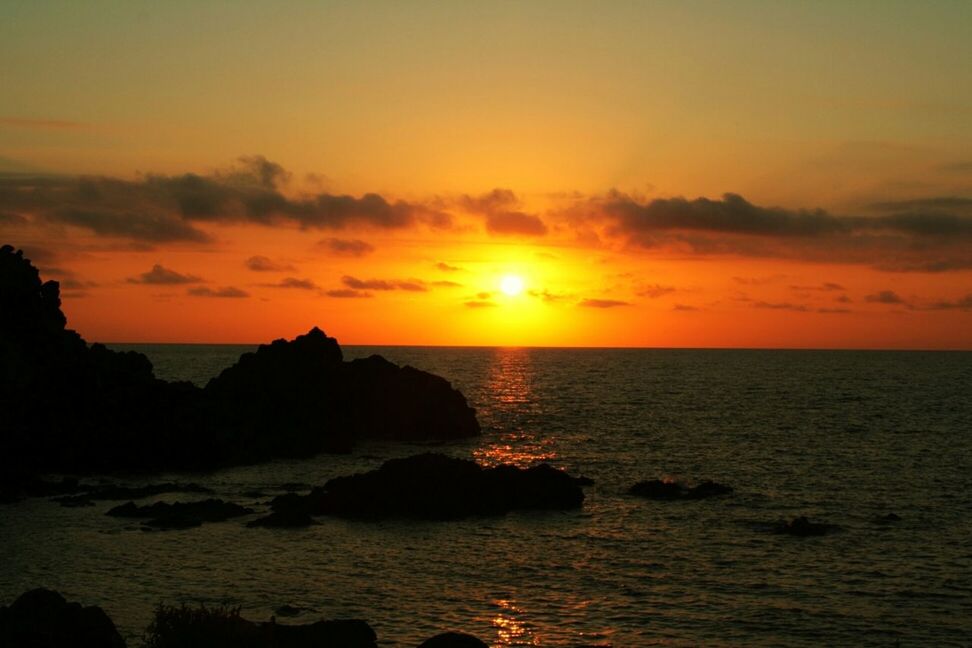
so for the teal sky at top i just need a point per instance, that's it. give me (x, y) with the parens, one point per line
(429, 96)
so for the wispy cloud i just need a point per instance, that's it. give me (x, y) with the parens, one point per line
(266, 264)
(160, 275)
(228, 292)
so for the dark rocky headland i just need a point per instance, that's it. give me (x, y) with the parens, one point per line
(70, 407)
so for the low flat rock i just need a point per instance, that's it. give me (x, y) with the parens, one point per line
(436, 487)
(658, 489)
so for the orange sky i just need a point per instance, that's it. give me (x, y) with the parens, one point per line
(666, 175)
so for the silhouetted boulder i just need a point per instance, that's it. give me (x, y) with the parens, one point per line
(802, 527)
(42, 618)
(437, 487)
(313, 402)
(658, 489)
(453, 640)
(180, 515)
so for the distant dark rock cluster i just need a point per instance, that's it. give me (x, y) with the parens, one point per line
(180, 515)
(434, 487)
(658, 489)
(73, 408)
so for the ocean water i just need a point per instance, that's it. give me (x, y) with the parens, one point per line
(841, 437)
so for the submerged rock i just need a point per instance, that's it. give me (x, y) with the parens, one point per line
(453, 640)
(802, 527)
(437, 487)
(42, 618)
(181, 515)
(890, 518)
(669, 490)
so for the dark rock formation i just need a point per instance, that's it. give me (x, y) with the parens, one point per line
(180, 515)
(802, 527)
(668, 490)
(288, 611)
(453, 640)
(42, 618)
(88, 494)
(71, 408)
(436, 487)
(314, 402)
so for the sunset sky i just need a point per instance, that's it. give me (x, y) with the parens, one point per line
(684, 174)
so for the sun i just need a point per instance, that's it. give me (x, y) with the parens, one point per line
(511, 285)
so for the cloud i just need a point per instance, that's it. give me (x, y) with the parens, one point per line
(963, 303)
(500, 208)
(884, 297)
(352, 247)
(160, 275)
(602, 303)
(780, 306)
(228, 291)
(480, 304)
(684, 307)
(412, 285)
(834, 310)
(346, 293)
(824, 287)
(293, 282)
(655, 291)
(843, 299)
(265, 264)
(446, 284)
(922, 235)
(548, 296)
(445, 267)
(155, 228)
(515, 223)
(161, 208)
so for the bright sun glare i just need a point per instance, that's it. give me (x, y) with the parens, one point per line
(511, 285)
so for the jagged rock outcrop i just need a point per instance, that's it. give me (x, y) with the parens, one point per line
(436, 487)
(42, 618)
(71, 408)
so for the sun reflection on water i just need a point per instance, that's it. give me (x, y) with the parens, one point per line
(511, 630)
(510, 404)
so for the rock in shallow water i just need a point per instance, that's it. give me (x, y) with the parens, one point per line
(802, 527)
(436, 487)
(181, 515)
(658, 489)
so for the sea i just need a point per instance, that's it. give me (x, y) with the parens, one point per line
(842, 437)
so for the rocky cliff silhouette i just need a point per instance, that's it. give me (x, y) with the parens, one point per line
(73, 408)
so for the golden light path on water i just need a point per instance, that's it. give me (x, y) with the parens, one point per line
(509, 384)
